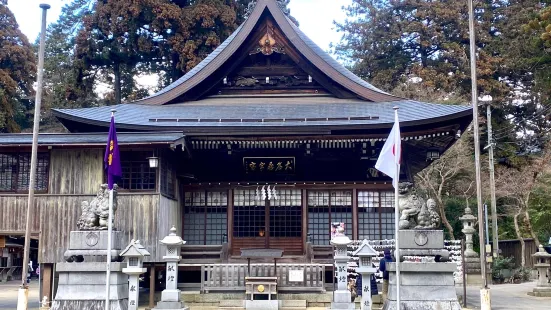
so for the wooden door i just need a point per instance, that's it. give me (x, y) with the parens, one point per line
(275, 223)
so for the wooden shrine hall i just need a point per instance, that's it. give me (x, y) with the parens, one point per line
(262, 145)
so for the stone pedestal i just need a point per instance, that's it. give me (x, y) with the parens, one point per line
(82, 280)
(423, 286)
(170, 297)
(342, 298)
(543, 287)
(472, 260)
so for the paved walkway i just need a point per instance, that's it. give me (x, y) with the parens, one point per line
(509, 296)
(8, 295)
(504, 297)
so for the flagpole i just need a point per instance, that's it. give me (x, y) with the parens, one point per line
(109, 245)
(397, 139)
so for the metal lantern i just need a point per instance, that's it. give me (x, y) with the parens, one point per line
(153, 162)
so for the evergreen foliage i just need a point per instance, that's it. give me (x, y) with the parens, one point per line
(17, 74)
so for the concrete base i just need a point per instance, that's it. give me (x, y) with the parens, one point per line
(423, 286)
(261, 304)
(342, 306)
(82, 286)
(89, 305)
(541, 292)
(170, 305)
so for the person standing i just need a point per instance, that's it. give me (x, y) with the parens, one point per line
(383, 268)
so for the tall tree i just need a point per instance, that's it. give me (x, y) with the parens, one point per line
(426, 42)
(17, 73)
(67, 85)
(448, 175)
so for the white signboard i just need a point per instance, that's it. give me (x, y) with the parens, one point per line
(296, 275)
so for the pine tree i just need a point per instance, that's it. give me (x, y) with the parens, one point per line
(396, 42)
(17, 73)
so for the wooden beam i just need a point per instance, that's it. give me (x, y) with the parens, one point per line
(46, 276)
(354, 214)
(152, 282)
(304, 219)
(230, 218)
(270, 70)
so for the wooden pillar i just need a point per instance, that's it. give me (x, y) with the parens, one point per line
(152, 281)
(304, 219)
(355, 227)
(230, 218)
(46, 275)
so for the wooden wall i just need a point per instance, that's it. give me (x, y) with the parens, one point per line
(146, 217)
(512, 248)
(13, 215)
(75, 171)
(169, 214)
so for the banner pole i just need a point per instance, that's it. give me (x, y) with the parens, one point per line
(109, 246)
(397, 157)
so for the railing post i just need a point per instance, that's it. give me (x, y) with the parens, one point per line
(202, 279)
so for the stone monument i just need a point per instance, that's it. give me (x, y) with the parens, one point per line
(134, 255)
(543, 287)
(170, 297)
(82, 277)
(472, 260)
(426, 276)
(342, 296)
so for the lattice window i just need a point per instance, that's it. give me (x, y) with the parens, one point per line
(286, 214)
(387, 215)
(136, 174)
(15, 171)
(375, 215)
(249, 214)
(369, 218)
(325, 207)
(205, 217)
(168, 180)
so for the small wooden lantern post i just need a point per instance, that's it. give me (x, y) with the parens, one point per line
(365, 252)
(134, 255)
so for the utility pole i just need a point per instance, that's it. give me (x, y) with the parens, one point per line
(484, 291)
(491, 145)
(23, 294)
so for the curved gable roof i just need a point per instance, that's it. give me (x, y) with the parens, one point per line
(313, 53)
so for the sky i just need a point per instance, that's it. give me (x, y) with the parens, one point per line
(315, 17)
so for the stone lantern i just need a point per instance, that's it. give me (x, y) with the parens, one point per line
(472, 260)
(543, 287)
(170, 297)
(342, 296)
(134, 255)
(366, 253)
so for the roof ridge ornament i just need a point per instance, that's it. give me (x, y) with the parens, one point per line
(267, 45)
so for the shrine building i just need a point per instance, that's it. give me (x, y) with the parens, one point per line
(262, 145)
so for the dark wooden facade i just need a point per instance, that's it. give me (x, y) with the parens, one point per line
(266, 108)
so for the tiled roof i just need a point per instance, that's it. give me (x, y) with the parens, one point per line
(89, 139)
(276, 112)
(320, 59)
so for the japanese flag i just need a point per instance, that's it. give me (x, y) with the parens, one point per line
(389, 159)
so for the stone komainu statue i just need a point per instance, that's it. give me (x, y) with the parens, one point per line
(95, 215)
(414, 212)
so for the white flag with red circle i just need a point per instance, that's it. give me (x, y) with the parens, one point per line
(390, 157)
